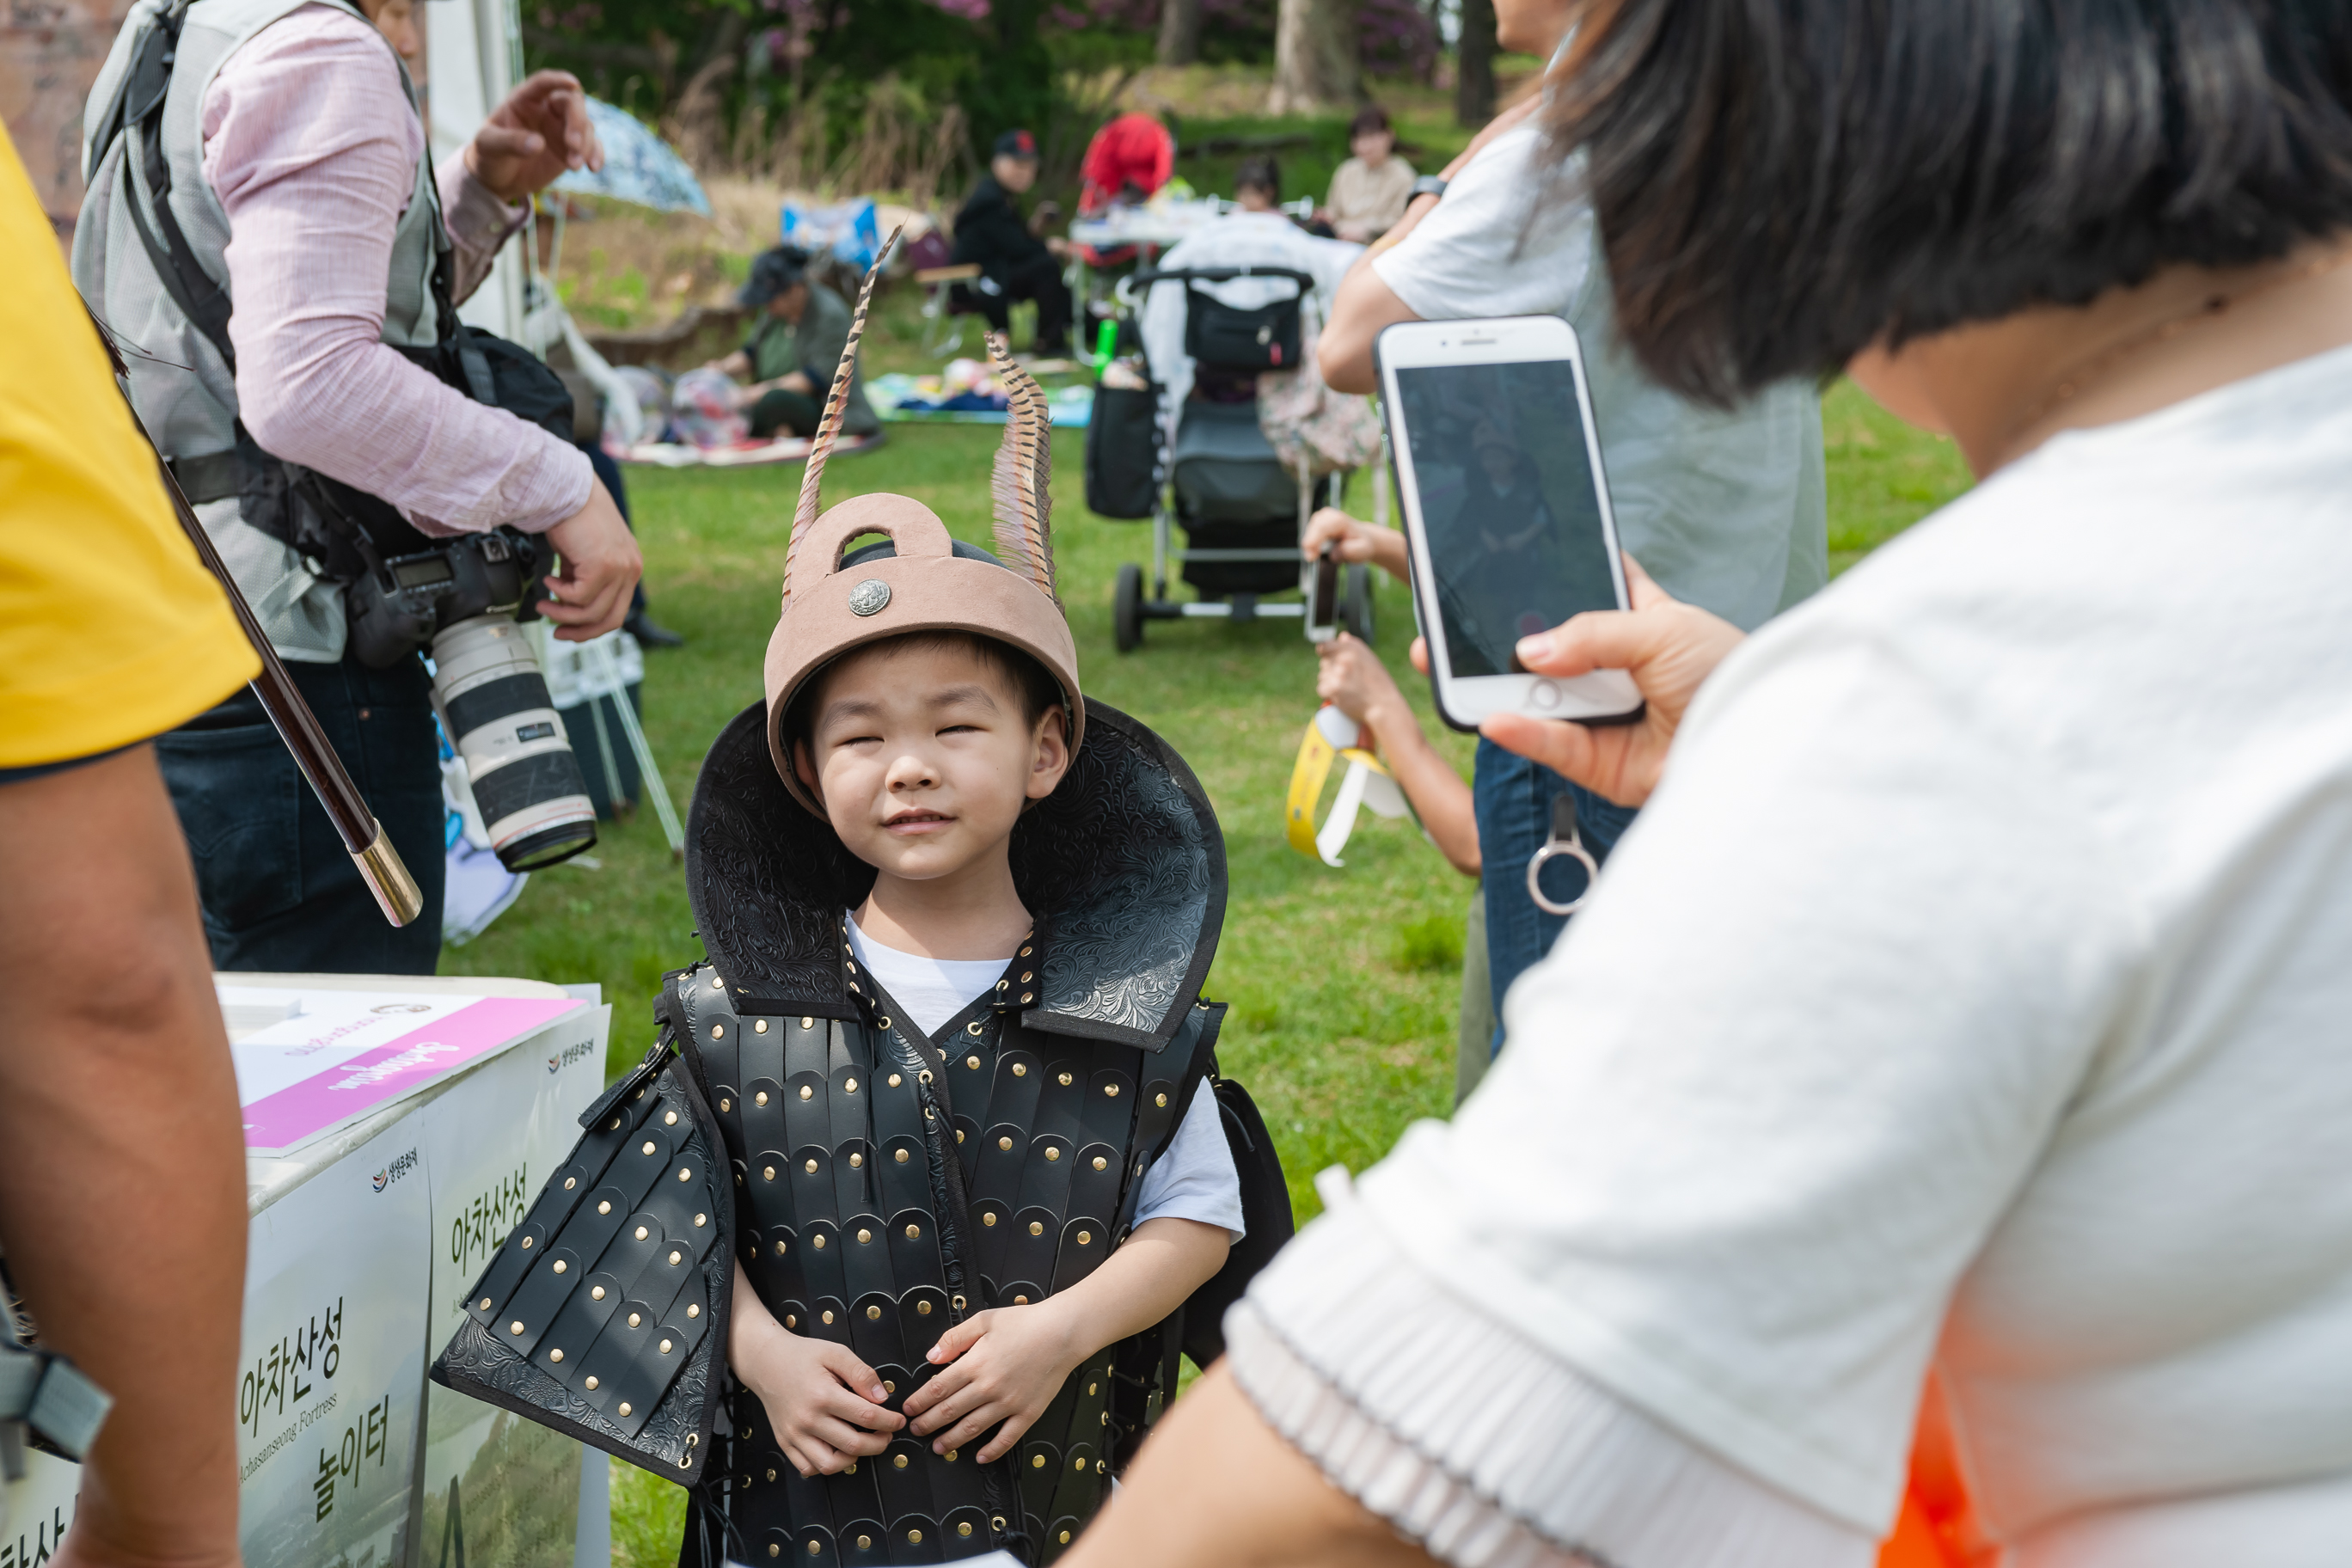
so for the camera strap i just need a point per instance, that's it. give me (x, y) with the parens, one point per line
(1335, 737)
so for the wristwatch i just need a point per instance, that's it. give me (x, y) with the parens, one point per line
(1427, 186)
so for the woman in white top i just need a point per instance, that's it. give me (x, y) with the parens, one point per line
(1973, 993)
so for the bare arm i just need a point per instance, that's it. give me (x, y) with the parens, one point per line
(1007, 1365)
(1271, 1504)
(122, 1161)
(1353, 680)
(737, 364)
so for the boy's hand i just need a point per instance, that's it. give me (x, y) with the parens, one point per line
(1351, 678)
(1354, 540)
(1002, 1365)
(825, 1404)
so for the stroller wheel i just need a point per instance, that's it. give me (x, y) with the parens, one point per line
(1126, 608)
(1356, 602)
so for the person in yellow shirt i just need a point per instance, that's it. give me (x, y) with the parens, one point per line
(121, 1155)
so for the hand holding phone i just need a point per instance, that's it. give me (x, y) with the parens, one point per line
(1506, 510)
(1323, 595)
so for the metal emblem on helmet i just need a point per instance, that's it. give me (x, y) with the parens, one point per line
(869, 597)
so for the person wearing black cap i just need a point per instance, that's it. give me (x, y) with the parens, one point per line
(800, 330)
(1015, 264)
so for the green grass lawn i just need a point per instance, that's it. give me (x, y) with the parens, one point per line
(1344, 983)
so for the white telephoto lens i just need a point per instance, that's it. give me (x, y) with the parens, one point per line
(519, 761)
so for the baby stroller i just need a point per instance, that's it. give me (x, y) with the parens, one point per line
(1242, 510)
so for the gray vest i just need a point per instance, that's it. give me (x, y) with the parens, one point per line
(183, 387)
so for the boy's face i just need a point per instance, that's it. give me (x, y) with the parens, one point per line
(1373, 147)
(923, 760)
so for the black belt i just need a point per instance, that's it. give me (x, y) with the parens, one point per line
(211, 476)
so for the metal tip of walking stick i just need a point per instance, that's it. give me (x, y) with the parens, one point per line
(387, 878)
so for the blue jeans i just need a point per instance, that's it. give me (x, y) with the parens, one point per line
(279, 892)
(1513, 799)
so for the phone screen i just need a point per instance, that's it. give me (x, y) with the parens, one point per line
(1509, 503)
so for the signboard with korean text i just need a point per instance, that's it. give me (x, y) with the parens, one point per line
(499, 1492)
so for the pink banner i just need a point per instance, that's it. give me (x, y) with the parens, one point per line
(342, 1094)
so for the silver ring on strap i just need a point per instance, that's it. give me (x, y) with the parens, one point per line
(1565, 841)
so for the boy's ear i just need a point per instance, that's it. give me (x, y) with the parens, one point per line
(803, 765)
(1051, 754)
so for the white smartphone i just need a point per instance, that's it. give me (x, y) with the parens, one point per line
(1506, 509)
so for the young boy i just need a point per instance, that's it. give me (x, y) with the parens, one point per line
(957, 919)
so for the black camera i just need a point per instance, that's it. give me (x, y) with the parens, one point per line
(464, 600)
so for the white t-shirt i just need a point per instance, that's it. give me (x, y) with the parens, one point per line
(1728, 510)
(1977, 987)
(1196, 1180)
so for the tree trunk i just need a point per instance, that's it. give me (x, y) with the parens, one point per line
(1314, 65)
(1474, 76)
(1180, 32)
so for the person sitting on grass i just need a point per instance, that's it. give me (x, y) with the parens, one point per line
(800, 328)
(961, 914)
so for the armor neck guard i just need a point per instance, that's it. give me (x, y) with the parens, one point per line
(1123, 868)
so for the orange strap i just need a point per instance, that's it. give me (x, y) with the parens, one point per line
(1937, 1528)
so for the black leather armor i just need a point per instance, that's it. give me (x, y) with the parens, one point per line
(878, 1185)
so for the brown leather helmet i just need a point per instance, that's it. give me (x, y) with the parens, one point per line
(837, 599)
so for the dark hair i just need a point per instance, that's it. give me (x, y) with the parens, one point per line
(1369, 118)
(1260, 174)
(1780, 183)
(1039, 692)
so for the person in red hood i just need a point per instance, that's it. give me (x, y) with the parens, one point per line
(1130, 158)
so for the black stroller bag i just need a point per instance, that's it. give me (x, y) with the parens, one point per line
(1266, 338)
(1123, 452)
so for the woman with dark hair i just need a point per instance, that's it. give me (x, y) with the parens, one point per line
(1968, 997)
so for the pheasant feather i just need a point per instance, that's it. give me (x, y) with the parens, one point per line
(1022, 486)
(829, 425)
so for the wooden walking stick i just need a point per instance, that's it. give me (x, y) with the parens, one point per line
(363, 837)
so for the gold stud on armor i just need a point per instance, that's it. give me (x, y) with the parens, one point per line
(1036, 1228)
(1110, 1092)
(913, 1231)
(1085, 1239)
(1004, 1143)
(648, 1148)
(863, 1236)
(1064, 1080)
(526, 1243)
(592, 1383)
(856, 1162)
(1161, 1101)
(718, 1031)
(768, 1172)
(760, 1098)
(605, 1207)
(896, 1080)
(635, 1319)
(1020, 1070)
(686, 1173)
(675, 1258)
(760, 1026)
(964, 1528)
(810, 1166)
(570, 1182)
(922, 1309)
(1037, 1461)
(1052, 1153)
(972, 1062)
(808, 1092)
(643, 1233)
(515, 1326)
(901, 1156)
(693, 1309)
(899, 1461)
(818, 1242)
(560, 1265)
(988, 1219)
(725, 1103)
(669, 1119)
(555, 1355)
(828, 1315)
(625, 1408)
(597, 1292)
(486, 1303)
(1020, 1300)
(1101, 1163)
(664, 1347)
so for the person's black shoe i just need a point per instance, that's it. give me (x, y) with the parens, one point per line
(649, 634)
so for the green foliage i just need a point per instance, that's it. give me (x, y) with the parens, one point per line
(1883, 475)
